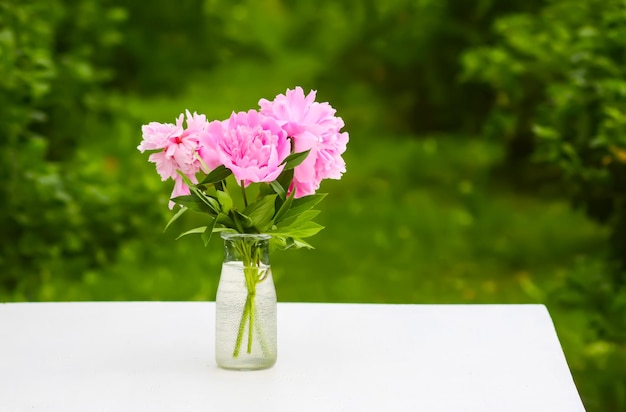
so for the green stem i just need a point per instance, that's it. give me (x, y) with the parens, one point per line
(243, 192)
(259, 330)
(242, 325)
(247, 251)
(250, 255)
(251, 324)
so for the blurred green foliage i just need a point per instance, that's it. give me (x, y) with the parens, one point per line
(559, 75)
(438, 96)
(407, 53)
(61, 212)
(162, 42)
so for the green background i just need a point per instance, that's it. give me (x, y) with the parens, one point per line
(486, 161)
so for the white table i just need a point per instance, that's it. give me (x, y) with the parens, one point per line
(158, 356)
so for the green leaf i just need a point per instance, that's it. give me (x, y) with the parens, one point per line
(194, 203)
(282, 242)
(199, 229)
(285, 178)
(225, 220)
(216, 175)
(210, 201)
(242, 219)
(284, 208)
(261, 212)
(277, 242)
(279, 189)
(299, 243)
(297, 220)
(206, 235)
(224, 229)
(295, 159)
(225, 200)
(305, 229)
(175, 217)
(303, 204)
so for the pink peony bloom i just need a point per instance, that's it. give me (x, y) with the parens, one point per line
(312, 126)
(252, 146)
(177, 147)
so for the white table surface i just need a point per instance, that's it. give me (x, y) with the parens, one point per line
(158, 356)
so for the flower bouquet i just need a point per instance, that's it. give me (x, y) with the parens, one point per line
(254, 176)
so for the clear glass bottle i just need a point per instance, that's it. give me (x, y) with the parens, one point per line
(245, 305)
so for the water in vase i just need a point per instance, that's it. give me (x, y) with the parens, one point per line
(245, 322)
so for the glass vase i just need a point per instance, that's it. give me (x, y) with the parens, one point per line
(245, 305)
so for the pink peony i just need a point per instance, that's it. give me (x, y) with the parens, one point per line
(177, 149)
(252, 146)
(313, 126)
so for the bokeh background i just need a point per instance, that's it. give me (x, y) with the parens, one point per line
(486, 163)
